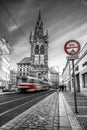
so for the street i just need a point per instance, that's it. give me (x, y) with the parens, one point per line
(12, 105)
(47, 110)
(43, 65)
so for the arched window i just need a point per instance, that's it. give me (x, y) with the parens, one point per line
(42, 49)
(37, 49)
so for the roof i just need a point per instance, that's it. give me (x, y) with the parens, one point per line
(52, 70)
(25, 60)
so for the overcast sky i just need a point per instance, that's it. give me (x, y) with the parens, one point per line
(64, 19)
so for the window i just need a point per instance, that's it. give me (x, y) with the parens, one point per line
(37, 49)
(36, 59)
(23, 69)
(23, 74)
(85, 80)
(41, 59)
(42, 49)
(20, 74)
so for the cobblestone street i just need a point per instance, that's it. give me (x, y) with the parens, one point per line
(42, 116)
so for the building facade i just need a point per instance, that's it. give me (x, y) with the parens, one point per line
(53, 77)
(80, 72)
(39, 49)
(13, 79)
(4, 62)
(66, 76)
(24, 67)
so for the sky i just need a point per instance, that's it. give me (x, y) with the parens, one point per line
(64, 19)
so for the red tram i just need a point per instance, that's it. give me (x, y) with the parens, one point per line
(26, 83)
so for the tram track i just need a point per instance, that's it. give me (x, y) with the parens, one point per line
(10, 101)
(11, 104)
(9, 113)
(23, 104)
(4, 98)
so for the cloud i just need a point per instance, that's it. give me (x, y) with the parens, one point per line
(12, 28)
(84, 2)
(20, 50)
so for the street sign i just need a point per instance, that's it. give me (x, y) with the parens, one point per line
(72, 47)
(72, 57)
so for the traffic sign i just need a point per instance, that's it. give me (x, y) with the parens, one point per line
(72, 57)
(72, 47)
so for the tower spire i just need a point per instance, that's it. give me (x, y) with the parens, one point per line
(47, 33)
(39, 16)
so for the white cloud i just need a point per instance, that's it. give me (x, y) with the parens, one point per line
(12, 28)
(21, 49)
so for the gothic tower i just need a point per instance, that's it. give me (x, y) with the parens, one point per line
(39, 49)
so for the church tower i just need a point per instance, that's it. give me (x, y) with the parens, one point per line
(39, 49)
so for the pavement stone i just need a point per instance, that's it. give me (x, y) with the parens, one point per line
(81, 116)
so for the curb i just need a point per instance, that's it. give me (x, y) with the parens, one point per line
(5, 93)
(71, 116)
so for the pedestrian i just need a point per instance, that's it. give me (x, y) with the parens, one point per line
(65, 87)
(62, 87)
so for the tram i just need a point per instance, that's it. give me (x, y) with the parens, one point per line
(26, 83)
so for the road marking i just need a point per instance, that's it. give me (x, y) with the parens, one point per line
(33, 109)
(16, 99)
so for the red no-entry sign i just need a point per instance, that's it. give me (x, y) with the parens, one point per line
(72, 47)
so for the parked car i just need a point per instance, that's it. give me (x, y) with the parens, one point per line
(13, 89)
(5, 90)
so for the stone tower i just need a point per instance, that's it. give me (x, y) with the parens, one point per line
(39, 49)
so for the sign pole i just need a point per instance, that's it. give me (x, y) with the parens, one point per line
(72, 47)
(75, 99)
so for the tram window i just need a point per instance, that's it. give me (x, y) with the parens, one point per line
(35, 81)
(24, 80)
(30, 80)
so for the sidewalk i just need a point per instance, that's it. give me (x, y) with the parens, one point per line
(81, 116)
(52, 113)
(2, 93)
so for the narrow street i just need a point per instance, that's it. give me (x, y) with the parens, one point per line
(43, 65)
(12, 105)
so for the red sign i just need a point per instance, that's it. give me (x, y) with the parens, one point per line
(72, 47)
